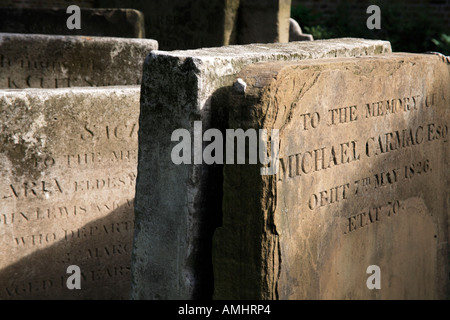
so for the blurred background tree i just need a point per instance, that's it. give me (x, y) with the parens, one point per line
(409, 28)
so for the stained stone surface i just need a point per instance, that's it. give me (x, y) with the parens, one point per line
(69, 159)
(178, 206)
(263, 21)
(48, 61)
(185, 24)
(126, 23)
(363, 180)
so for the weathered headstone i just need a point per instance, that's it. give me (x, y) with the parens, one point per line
(359, 208)
(178, 206)
(186, 24)
(67, 187)
(264, 21)
(127, 23)
(43, 61)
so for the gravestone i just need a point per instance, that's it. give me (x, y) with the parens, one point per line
(263, 21)
(192, 24)
(43, 61)
(178, 206)
(182, 24)
(127, 23)
(47, 3)
(68, 174)
(359, 207)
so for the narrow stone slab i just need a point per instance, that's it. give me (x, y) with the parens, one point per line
(178, 206)
(126, 23)
(362, 189)
(186, 24)
(43, 61)
(264, 21)
(69, 159)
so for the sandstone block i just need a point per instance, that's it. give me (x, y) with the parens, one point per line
(46, 61)
(179, 206)
(362, 181)
(67, 188)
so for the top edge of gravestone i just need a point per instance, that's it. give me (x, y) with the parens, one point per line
(5, 36)
(275, 67)
(76, 90)
(65, 9)
(308, 48)
(326, 61)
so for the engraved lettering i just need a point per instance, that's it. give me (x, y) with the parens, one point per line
(328, 197)
(343, 115)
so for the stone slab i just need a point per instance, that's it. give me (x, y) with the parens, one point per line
(263, 21)
(186, 24)
(69, 162)
(178, 206)
(126, 23)
(47, 61)
(47, 3)
(363, 180)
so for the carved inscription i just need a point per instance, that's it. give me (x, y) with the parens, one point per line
(47, 65)
(362, 180)
(364, 149)
(45, 73)
(56, 61)
(372, 215)
(90, 278)
(75, 203)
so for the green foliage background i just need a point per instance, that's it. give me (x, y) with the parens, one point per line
(413, 30)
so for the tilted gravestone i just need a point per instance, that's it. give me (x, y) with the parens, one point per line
(127, 23)
(359, 207)
(68, 174)
(45, 61)
(178, 206)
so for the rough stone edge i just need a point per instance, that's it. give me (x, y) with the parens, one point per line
(61, 91)
(229, 60)
(4, 37)
(265, 187)
(206, 70)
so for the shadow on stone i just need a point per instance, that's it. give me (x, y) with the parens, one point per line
(102, 250)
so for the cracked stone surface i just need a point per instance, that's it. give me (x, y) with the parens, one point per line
(362, 180)
(179, 206)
